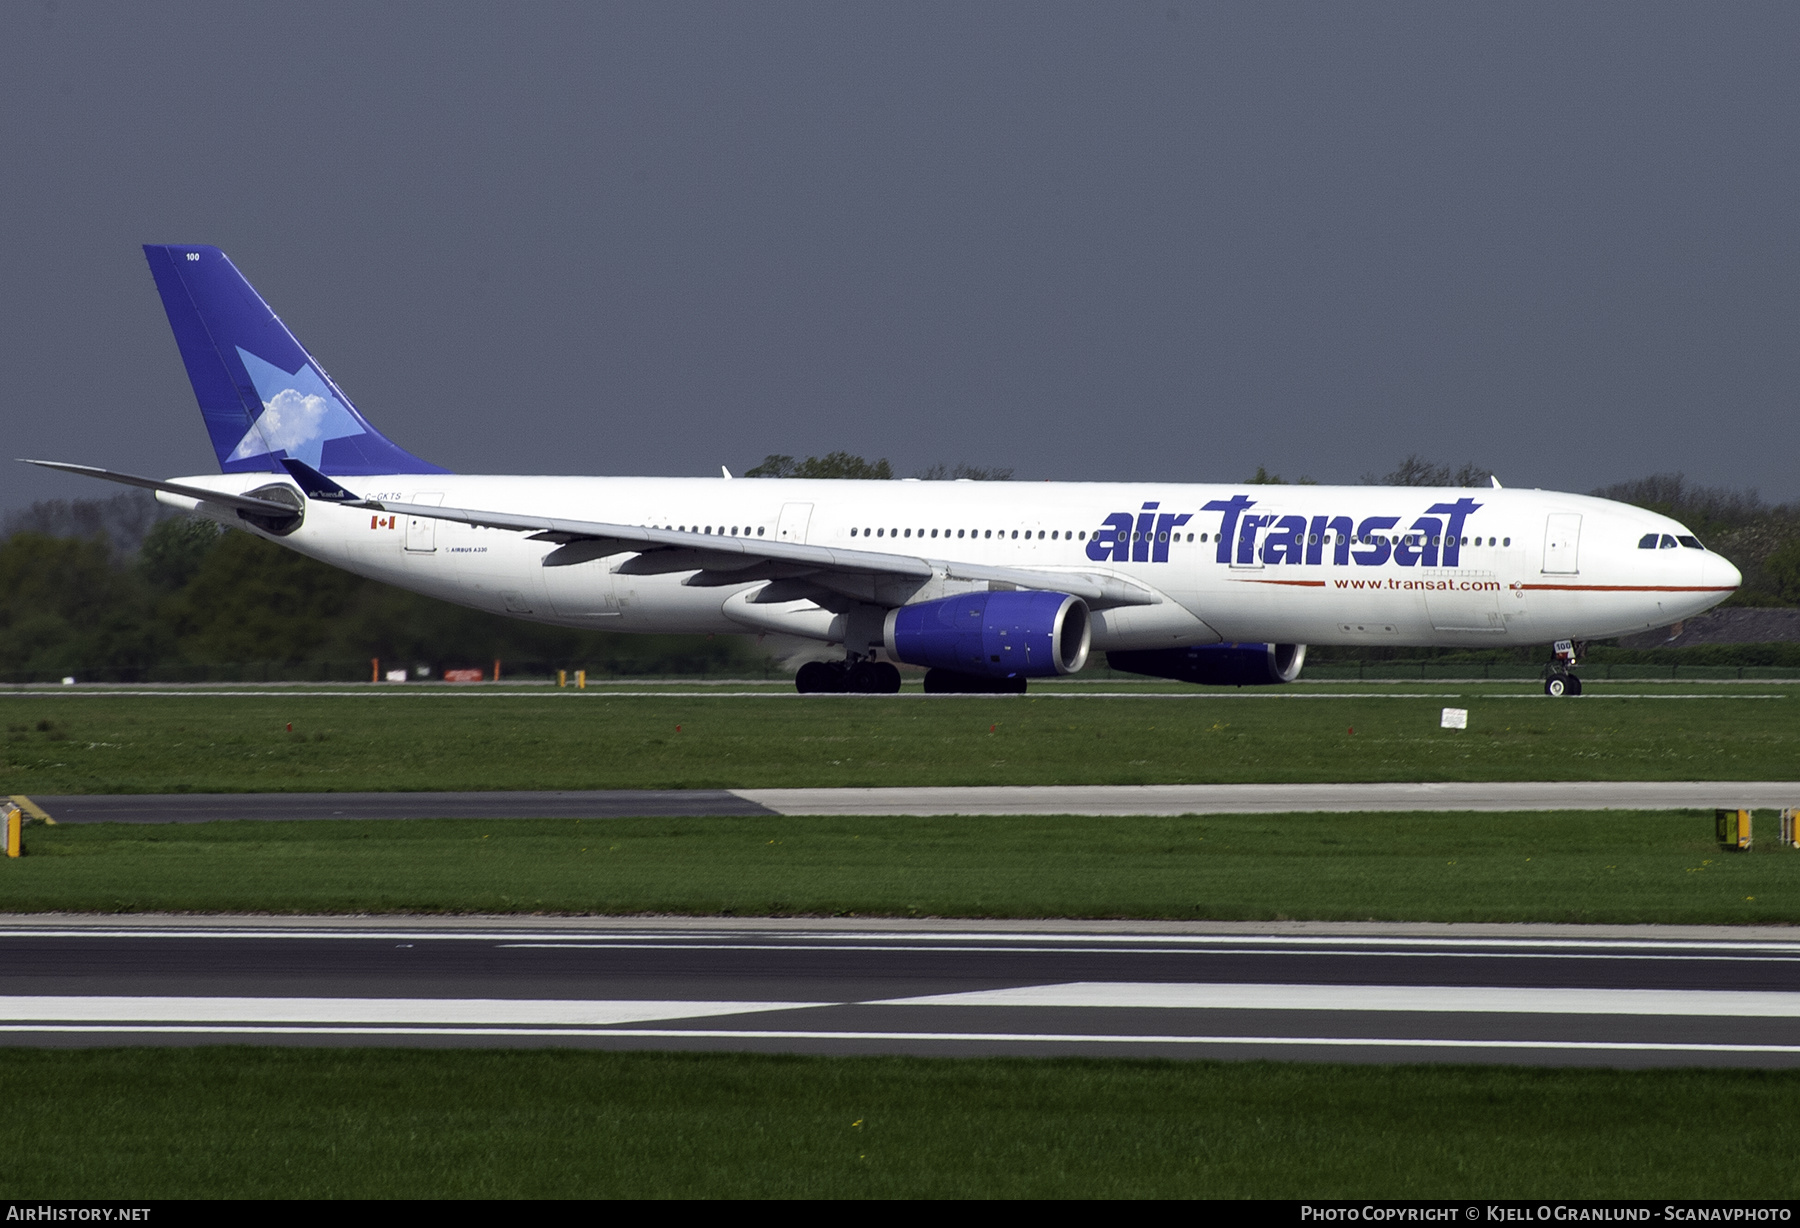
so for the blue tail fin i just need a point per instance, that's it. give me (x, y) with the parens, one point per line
(261, 393)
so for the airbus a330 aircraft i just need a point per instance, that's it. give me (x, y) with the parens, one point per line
(986, 584)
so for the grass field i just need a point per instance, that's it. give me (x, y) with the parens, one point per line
(296, 1123)
(1579, 867)
(544, 739)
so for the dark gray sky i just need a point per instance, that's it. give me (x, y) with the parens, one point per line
(1164, 240)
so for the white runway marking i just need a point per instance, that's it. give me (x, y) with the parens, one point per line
(98, 1009)
(1422, 998)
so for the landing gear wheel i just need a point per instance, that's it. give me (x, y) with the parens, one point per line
(1574, 685)
(817, 678)
(887, 676)
(1558, 685)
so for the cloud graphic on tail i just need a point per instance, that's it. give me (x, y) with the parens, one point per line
(300, 414)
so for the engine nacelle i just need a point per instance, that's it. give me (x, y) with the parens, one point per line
(993, 635)
(1216, 664)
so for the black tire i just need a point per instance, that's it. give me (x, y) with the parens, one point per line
(816, 678)
(1574, 685)
(887, 676)
(864, 679)
(1555, 686)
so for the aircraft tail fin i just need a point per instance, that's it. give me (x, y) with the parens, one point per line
(263, 396)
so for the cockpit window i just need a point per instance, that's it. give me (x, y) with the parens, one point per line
(1692, 543)
(1647, 542)
(1668, 543)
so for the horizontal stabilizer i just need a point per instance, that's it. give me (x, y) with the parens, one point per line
(242, 503)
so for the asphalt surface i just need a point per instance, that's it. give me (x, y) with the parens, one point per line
(1529, 995)
(1098, 800)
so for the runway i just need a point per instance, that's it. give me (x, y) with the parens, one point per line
(1096, 800)
(1543, 995)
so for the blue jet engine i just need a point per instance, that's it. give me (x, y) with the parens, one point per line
(993, 635)
(1216, 664)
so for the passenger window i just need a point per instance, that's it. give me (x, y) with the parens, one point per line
(1082, 536)
(879, 533)
(759, 530)
(1203, 537)
(959, 532)
(1190, 537)
(990, 532)
(1506, 541)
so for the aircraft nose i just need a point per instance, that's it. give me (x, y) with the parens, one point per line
(1719, 573)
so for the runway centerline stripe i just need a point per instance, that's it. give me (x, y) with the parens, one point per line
(1721, 1003)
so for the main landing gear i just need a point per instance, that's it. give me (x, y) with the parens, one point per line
(1559, 675)
(847, 678)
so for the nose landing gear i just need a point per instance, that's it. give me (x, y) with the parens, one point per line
(1559, 675)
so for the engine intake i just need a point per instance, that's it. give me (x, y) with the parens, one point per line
(993, 635)
(1216, 664)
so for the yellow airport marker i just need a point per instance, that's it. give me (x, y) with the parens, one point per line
(31, 808)
(562, 679)
(15, 832)
(1733, 828)
(581, 680)
(1789, 835)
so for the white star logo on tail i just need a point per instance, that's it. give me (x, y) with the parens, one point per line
(300, 414)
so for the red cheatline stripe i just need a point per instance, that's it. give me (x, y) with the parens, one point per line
(1300, 583)
(1636, 588)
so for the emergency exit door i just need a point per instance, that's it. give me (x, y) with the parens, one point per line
(792, 525)
(1562, 543)
(421, 531)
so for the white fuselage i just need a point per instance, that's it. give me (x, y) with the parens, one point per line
(1298, 564)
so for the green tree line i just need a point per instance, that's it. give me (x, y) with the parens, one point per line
(195, 601)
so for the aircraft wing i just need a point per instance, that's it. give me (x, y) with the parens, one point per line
(716, 561)
(719, 561)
